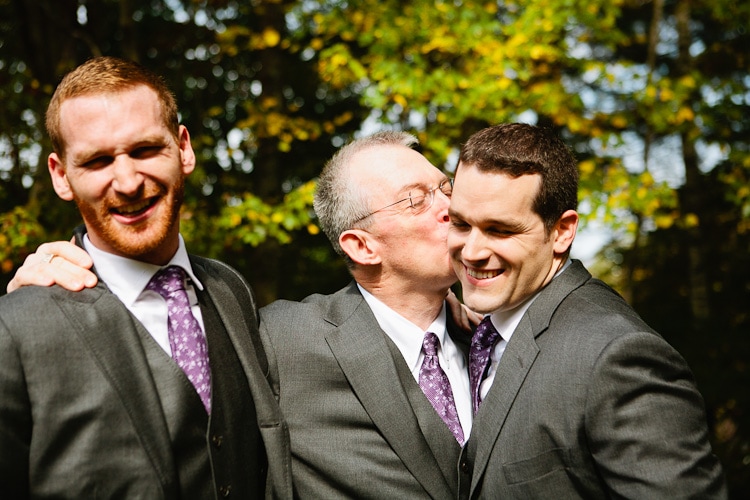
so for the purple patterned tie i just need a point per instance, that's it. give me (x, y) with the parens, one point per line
(436, 386)
(479, 356)
(186, 338)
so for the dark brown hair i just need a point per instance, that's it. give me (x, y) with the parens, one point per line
(517, 149)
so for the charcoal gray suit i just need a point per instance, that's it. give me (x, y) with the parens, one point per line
(92, 407)
(589, 402)
(360, 426)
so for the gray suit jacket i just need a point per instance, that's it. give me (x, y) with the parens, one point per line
(589, 402)
(80, 414)
(359, 424)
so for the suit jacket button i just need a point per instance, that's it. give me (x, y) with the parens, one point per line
(464, 467)
(217, 439)
(225, 490)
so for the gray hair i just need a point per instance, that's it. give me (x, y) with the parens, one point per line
(339, 201)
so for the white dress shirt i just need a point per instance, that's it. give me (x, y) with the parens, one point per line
(505, 322)
(127, 279)
(408, 338)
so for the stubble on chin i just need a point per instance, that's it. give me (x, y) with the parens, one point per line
(139, 240)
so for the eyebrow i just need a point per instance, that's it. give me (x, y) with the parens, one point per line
(411, 186)
(422, 184)
(507, 223)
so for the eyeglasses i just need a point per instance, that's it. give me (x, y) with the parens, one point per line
(420, 199)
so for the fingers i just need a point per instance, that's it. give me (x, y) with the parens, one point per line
(458, 311)
(58, 262)
(65, 250)
(474, 318)
(465, 318)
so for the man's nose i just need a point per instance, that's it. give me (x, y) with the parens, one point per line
(127, 179)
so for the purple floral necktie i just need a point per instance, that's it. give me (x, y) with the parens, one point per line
(186, 338)
(479, 356)
(436, 386)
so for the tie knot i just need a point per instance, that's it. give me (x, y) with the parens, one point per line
(167, 281)
(486, 334)
(429, 344)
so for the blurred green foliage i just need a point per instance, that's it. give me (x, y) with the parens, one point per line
(652, 97)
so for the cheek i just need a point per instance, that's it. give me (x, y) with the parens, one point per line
(455, 243)
(89, 188)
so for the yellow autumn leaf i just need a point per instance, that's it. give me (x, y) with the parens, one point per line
(400, 100)
(666, 94)
(587, 167)
(271, 37)
(537, 52)
(691, 220)
(684, 114)
(688, 81)
(647, 179)
(619, 121)
(338, 60)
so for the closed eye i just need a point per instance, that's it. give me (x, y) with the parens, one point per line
(146, 152)
(500, 231)
(458, 224)
(417, 198)
(98, 162)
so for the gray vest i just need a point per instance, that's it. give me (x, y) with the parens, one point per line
(218, 456)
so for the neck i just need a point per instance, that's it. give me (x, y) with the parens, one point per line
(419, 307)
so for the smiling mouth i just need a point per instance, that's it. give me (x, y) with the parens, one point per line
(482, 275)
(135, 208)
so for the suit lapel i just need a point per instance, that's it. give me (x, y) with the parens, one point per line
(514, 366)
(111, 333)
(359, 346)
(244, 339)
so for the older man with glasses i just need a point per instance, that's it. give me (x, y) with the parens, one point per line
(372, 380)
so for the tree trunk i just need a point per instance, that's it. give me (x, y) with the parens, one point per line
(691, 198)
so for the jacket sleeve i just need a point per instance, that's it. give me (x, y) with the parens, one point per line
(646, 423)
(15, 419)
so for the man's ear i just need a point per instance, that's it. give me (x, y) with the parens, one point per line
(564, 231)
(360, 246)
(187, 155)
(59, 177)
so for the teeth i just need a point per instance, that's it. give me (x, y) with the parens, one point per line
(481, 275)
(134, 208)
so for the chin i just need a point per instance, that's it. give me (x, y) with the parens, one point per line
(138, 242)
(480, 303)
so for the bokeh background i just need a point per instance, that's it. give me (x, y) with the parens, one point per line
(652, 96)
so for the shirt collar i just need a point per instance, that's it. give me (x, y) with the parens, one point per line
(127, 278)
(406, 335)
